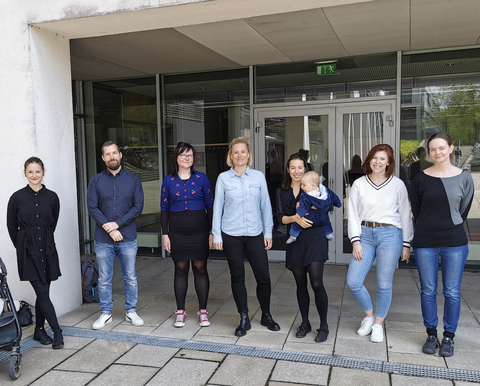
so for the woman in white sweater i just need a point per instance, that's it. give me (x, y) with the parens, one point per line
(379, 226)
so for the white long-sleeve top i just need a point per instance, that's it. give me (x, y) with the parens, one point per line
(386, 203)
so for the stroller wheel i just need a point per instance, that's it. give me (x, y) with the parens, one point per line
(15, 367)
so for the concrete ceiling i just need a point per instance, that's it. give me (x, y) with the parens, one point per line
(356, 28)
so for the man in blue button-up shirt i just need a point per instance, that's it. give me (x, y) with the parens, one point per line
(115, 199)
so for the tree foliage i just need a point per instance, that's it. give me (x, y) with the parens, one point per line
(456, 110)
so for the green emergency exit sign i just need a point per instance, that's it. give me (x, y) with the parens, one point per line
(327, 69)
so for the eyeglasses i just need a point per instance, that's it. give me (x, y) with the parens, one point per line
(186, 156)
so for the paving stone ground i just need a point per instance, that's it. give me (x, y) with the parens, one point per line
(98, 361)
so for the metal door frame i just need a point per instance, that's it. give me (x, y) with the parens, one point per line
(335, 111)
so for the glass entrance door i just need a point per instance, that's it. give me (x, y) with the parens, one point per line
(358, 129)
(331, 137)
(291, 130)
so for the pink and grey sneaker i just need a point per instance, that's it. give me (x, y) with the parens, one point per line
(180, 319)
(203, 319)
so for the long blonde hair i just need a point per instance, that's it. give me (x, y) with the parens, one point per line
(236, 141)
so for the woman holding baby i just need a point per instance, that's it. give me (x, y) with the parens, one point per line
(307, 255)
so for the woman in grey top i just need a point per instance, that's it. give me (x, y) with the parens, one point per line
(441, 197)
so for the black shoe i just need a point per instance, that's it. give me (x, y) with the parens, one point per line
(268, 321)
(41, 336)
(303, 330)
(430, 346)
(244, 325)
(322, 335)
(57, 339)
(447, 347)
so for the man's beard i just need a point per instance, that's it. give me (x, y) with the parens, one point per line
(115, 163)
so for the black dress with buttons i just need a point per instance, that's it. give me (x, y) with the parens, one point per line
(31, 221)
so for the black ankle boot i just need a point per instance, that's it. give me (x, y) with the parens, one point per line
(57, 339)
(268, 321)
(41, 336)
(244, 325)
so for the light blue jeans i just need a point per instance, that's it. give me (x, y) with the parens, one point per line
(453, 263)
(385, 244)
(127, 254)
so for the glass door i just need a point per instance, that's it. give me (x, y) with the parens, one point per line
(359, 127)
(286, 131)
(337, 139)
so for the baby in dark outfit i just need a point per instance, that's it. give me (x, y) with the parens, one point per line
(321, 199)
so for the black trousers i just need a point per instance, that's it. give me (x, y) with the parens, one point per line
(238, 248)
(43, 306)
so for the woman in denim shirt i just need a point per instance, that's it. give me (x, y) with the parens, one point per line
(242, 224)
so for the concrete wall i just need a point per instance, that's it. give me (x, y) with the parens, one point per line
(36, 119)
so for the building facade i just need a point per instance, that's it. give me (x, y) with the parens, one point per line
(333, 77)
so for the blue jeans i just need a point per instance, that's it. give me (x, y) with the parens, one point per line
(384, 243)
(453, 263)
(127, 254)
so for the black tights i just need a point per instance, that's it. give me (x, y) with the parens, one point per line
(43, 306)
(315, 272)
(200, 278)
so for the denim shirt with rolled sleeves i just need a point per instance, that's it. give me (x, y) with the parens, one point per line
(242, 205)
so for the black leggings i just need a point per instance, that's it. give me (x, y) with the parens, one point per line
(315, 272)
(43, 306)
(201, 280)
(237, 248)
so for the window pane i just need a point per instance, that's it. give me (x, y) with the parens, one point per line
(207, 110)
(356, 77)
(125, 111)
(448, 99)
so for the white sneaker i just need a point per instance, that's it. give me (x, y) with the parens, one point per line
(102, 321)
(133, 318)
(366, 327)
(377, 333)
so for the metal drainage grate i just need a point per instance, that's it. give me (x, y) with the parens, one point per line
(293, 356)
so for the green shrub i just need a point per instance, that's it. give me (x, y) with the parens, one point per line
(406, 147)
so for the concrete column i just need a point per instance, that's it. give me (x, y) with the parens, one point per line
(36, 118)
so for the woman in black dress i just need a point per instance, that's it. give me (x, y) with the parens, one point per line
(308, 254)
(32, 216)
(187, 209)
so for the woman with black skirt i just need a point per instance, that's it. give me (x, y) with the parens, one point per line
(32, 216)
(307, 255)
(187, 209)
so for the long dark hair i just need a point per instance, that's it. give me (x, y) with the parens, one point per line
(286, 178)
(182, 147)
